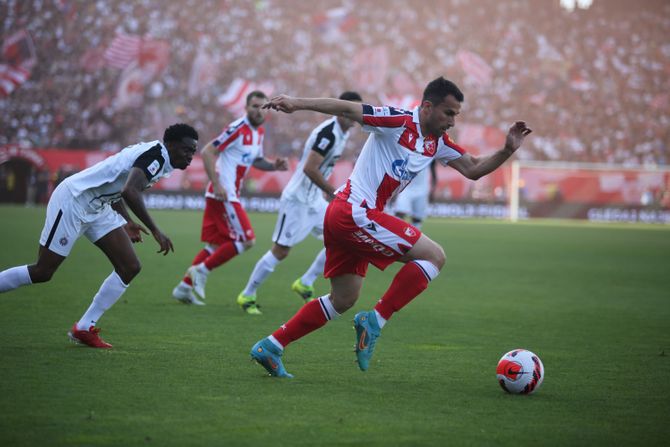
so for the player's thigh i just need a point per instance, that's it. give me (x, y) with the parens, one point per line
(63, 223)
(386, 238)
(238, 222)
(426, 249)
(215, 227)
(294, 223)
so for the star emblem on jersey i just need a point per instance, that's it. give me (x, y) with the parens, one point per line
(409, 231)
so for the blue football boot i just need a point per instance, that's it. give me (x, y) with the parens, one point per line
(269, 357)
(367, 331)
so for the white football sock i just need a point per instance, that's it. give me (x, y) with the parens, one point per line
(14, 277)
(381, 321)
(264, 267)
(315, 269)
(239, 246)
(275, 342)
(429, 269)
(327, 307)
(110, 291)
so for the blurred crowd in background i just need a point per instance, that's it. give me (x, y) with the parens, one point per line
(594, 84)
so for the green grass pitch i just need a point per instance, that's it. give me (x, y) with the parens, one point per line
(593, 301)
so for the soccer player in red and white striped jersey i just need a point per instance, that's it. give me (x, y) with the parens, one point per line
(357, 232)
(226, 229)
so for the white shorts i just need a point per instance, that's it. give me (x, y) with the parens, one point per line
(414, 204)
(67, 220)
(297, 220)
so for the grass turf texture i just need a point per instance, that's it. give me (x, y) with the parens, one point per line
(591, 301)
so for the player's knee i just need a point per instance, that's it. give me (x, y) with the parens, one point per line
(438, 257)
(280, 252)
(342, 302)
(130, 270)
(39, 273)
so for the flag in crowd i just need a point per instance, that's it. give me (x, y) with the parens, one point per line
(333, 23)
(18, 59)
(475, 67)
(123, 50)
(203, 72)
(234, 98)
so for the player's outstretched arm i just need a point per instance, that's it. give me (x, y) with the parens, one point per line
(132, 195)
(477, 167)
(329, 106)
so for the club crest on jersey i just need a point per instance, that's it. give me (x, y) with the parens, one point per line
(63, 241)
(409, 232)
(429, 146)
(323, 143)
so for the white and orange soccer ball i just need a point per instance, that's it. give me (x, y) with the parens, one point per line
(520, 372)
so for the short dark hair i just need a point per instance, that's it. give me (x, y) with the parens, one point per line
(440, 88)
(178, 131)
(256, 94)
(351, 96)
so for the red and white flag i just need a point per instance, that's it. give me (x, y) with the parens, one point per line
(11, 78)
(203, 72)
(235, 97)
(476, 68)
(19, 50)
(123, 50)
(19, 57)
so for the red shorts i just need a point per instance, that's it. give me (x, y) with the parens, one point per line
(225, 221)
(355, 237)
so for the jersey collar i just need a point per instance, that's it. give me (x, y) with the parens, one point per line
(415, 119)
(167, 166)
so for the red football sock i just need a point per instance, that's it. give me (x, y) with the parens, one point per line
(224, 253)
(201, 256)
(409, 282)
(309, 318)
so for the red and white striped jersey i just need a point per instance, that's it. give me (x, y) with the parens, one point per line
(239, 145)
(394, 153)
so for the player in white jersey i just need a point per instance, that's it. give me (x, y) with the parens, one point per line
(413, 201)
(356, 229)
(226, 229)
(302, 205)
(91, 203)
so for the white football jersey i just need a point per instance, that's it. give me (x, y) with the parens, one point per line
(239, 145)
(394, 153)
(327, 139)
(102, 183)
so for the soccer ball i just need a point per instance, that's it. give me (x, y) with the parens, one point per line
(520, 372)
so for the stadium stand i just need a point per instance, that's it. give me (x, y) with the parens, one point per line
(103, 74)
